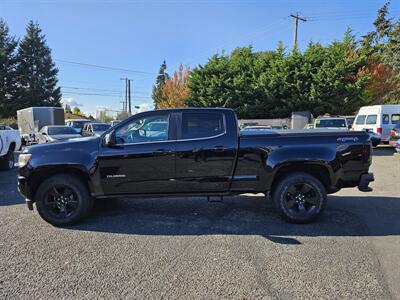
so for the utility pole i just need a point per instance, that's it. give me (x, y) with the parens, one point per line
(129, 97)
(127, 105)
(296, 25)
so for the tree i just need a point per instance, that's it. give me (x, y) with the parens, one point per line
(76, 111)
(162, 77)
(383, 49)
(36, 71)
(8, 77)
(175, 92)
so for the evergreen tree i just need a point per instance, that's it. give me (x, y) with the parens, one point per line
(8, 46)
(36, 71)
(162, 78)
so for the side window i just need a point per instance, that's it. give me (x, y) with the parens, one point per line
(202, 125)
(371, 119)
(145, 129)
(396, 119)
(360, 120)
(385, 119)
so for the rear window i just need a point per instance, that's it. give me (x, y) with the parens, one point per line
(324, 123)
(371, 119)
(60, 130)
(395, 118)
(201, 125)
(385, 119)
(360, 120)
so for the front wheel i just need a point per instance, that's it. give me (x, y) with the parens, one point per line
(63, 200)
(300, 198)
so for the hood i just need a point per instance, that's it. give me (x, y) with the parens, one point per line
(82, 144)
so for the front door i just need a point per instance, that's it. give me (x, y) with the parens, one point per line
(143, 159)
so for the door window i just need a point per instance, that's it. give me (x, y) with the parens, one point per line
(152, 128)
(202, 125)
(395, 118)
(360, 120)
(371, 120)
(385, 119)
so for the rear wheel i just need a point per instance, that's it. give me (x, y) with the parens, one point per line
(7, 161)
(63, 200)
(300, 198)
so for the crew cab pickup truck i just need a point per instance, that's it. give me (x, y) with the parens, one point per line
(10, 140)
(193, 152)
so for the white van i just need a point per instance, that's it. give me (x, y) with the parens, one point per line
(379, 118)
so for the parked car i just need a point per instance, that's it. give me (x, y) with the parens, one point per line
(56, 133)
(258, 127)
(331, 123)
(10, 141)
(378, 118)
(76, 124)
(394, 135)
(198, 152)
(95, 129)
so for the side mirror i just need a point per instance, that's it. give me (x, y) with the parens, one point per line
(109, 139)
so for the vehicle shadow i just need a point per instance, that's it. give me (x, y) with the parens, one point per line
(383, 151)
(244, 215)
(9, 194)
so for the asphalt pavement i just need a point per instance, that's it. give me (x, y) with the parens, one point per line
(188, 248)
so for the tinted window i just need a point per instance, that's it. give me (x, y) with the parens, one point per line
(100, 127)
(201, 125)
(360, 120)
(371, 119)
(385, 119)
(145, 129)
(330, 123)
(395, 119)
(60, 130)
(77, 124)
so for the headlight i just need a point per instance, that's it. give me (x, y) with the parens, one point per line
(23, 159)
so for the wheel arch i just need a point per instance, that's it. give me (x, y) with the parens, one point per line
(43, 173)
(319, 171)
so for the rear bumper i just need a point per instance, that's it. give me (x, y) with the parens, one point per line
(365, 179)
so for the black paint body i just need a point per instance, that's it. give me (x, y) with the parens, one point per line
(229, 163)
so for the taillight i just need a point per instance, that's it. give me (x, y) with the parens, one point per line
(379, 130)
(392, 132)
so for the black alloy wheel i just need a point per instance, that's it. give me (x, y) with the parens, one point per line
(299, 197)
(63, 200)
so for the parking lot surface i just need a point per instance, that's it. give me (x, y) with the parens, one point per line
(185, 248)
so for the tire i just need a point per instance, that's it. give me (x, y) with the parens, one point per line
(7, 161)
(300, 198)
(63, 200)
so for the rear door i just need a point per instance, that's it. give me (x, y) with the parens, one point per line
(206, 150)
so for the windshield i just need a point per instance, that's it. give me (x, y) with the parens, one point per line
(76, 124)
(330, 123)
(60, 130)
(100, 127)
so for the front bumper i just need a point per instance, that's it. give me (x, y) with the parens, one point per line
(365, 179)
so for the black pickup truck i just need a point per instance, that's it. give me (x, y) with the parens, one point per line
(193, 152)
